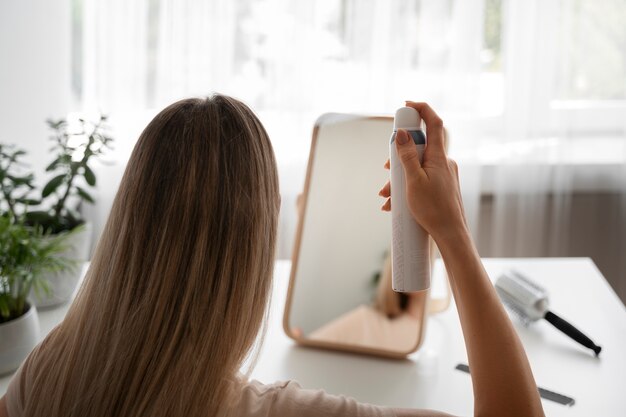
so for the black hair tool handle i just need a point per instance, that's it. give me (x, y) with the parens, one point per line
(572, 332)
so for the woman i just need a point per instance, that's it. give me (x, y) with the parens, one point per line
(179, 284)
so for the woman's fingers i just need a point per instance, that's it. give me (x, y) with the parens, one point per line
(407, 153)
(386, 190)
(434, 126)
(387, 205)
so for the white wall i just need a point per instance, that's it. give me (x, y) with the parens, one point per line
(35, 73)
(35, 84)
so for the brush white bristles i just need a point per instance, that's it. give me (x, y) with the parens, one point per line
(524, 297)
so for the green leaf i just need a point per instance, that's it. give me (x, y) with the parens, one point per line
(53, 164)
(55, 124)
(41, 288)
(5, 312)
(90, 177)
(21, 180)
(84, 195)
(27, 252)
(52, 185)
(39, 217)
(28, 201)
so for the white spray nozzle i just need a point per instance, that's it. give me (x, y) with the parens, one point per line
(407, 118)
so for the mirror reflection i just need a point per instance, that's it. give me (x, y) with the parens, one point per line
(390, 321)
(340, 291)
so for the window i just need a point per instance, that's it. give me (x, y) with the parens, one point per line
(567, 60)
(592, 58)
(560, 64)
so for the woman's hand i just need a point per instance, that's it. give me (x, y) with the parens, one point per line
(496, 355)
(433, 192)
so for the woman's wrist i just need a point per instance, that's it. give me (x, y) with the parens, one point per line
(453, 239)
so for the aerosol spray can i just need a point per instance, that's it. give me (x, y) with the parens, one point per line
(410, 251)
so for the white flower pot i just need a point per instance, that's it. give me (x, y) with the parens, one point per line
(17, 338)
(62, 284)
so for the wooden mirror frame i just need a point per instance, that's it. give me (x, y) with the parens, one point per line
(429, 305)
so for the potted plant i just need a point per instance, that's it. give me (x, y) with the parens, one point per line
(75, 145)
(58, 208)
(25, 253)
(16, 186)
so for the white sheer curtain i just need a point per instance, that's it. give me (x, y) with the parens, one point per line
(496, 69)
(559, 185)
(291, 61)
(563, 127)
(531, 176)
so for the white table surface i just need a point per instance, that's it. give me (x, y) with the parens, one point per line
(427, 379)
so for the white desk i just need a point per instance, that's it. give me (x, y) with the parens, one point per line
(428, 379)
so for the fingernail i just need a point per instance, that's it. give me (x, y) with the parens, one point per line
(402, 137)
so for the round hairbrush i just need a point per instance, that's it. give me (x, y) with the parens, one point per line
(529, 301)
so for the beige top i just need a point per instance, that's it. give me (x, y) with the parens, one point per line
(289, 399)
(284, 399)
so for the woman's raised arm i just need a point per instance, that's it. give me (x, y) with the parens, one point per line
(501, 376)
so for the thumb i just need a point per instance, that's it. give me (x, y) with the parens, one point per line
(407, 152)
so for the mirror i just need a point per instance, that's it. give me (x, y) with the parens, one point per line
(340, 293)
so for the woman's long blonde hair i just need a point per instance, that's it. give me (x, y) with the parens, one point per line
(180, 279)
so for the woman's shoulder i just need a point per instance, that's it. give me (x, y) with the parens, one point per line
(289, 398)
(18, 389)
(15, 395)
